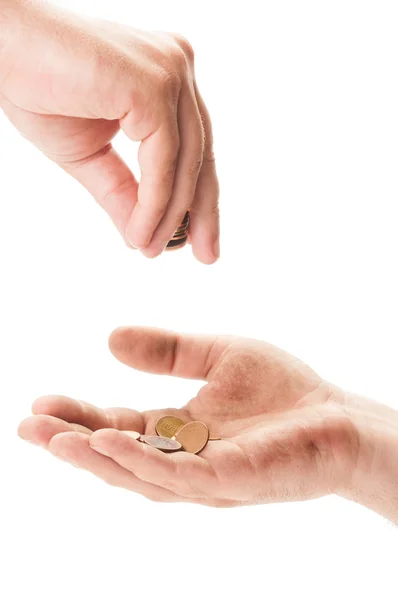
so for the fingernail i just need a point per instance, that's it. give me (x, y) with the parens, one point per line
(131, 243)
(99, 450)
(216, 249)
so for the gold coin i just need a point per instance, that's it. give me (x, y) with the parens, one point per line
(180, 236)
(193, 437)
(161, 443)
(168, 426)
(134, 434)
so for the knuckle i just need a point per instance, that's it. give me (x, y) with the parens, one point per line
(210, 157)
(166, 171)
(194, 166)
(185, 46)
(170, 84)
(178, 59)
(215, 211)
(170, 160)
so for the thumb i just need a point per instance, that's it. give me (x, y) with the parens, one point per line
(164, 352)
(110, 181)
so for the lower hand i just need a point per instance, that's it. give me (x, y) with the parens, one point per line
(286, 433)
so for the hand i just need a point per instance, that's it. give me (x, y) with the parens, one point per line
(69, 84)
(286, 433)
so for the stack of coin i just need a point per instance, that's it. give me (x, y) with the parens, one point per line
(180, 237)
(173, 435)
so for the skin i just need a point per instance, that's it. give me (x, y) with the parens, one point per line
(69, 84)
(287, 434)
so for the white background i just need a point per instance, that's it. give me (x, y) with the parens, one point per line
(304, 101)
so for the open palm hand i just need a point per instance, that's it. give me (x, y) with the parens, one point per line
(285, 432)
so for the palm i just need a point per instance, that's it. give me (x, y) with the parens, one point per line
(256, 399)
(249, 381)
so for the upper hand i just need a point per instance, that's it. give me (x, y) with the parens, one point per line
(69, 84)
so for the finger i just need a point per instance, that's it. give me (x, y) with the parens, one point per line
(75, 448)
(181, 473)
(189, 164)
(109, 180)
(204, 212)
(40, 429)
(157, 158)
(88, 415)
(165, 352)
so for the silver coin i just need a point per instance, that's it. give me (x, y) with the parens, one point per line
(161, 443)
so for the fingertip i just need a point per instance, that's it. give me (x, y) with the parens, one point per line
(24, 427)
(205, 253)
(117, 339)
(65, 444)
(127, 343)
(108, 441)
(40, 429)
(128, 244)
(38, 404)
(153, 252)
(205, 237)
(216, 249)
(138, 232)
(44, 404)
(131, 241)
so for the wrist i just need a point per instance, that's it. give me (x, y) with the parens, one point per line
(372, 476)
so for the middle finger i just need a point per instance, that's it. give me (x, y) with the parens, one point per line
(190, 160)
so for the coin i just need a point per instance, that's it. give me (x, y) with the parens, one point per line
(193, 436)
(180, 236)
(134, 434)
(168, 426)
(161, 443)
(174, 244)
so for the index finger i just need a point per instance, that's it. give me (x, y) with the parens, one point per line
(157, 157)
